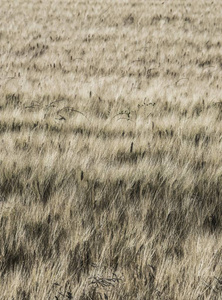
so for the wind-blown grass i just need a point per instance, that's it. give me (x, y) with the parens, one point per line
(110, 150)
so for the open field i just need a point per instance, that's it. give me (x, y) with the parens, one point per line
(110, 150)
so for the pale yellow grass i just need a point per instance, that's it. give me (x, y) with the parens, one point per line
(110, 150)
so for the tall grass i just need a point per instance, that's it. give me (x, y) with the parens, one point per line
(110, 150)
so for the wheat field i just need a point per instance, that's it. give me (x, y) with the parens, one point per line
(110, 149)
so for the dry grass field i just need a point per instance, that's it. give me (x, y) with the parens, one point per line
(110, 149)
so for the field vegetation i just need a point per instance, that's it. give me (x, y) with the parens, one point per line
(110, 149)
